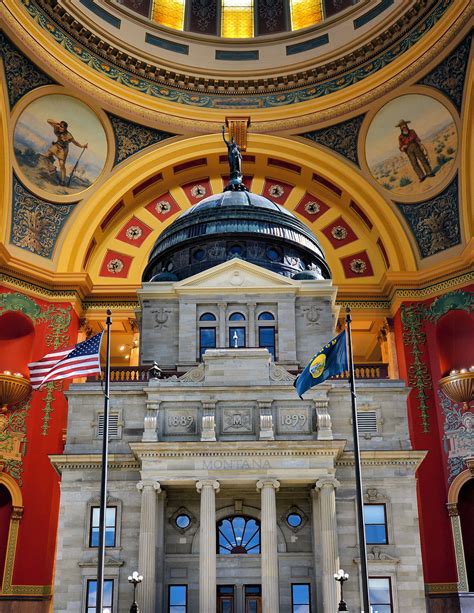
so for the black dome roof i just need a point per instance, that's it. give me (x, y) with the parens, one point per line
(236, 223)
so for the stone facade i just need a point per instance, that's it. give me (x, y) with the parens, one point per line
(230, 438)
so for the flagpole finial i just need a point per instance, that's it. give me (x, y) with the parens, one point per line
(348, 315)
(109, 312)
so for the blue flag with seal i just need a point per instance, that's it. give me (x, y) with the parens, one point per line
(329, 361)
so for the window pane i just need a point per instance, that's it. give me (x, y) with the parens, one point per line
(301, 608)
(266, 316)
(207, 339)
(236, 337)
(237, 18)
(305, 13)
(379, 591)
(374, 513)
(376, 534)
(169, 13)
(91, 593)
(300, 594)
(178, 595)
(381, 608)
(178, 609)
(94, 540)
(95, 517)
(252, 589)
(110, 514)
(108, 589)
(110, 537)
(207, 317)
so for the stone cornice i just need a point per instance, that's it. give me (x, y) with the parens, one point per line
(239, 449)
(92, 461)
(384, 458)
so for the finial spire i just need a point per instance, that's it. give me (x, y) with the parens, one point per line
(235, 165)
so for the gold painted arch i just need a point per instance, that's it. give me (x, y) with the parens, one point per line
(121, 188)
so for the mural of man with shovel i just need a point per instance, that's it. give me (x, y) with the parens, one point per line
(60, 148)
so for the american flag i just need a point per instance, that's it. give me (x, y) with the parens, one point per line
(78, 361)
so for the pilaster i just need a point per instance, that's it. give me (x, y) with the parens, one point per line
(207, 545)
(269, 545)
(329, 549)
(147, 543)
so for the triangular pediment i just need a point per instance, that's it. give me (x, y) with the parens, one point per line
(237, 275)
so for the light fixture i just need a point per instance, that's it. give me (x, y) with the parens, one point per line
(14, 388)
(135, 578)
(341, 576)
(459, 386)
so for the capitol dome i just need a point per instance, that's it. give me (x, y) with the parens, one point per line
(236, 224)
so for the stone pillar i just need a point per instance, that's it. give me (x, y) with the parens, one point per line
(329, 549)
(207, 545)
(458, 546)
(266, 421)
(269, 546)
(208, 429)
(147, 542)
(222, 325)
(134, 350)
(160, 551)
(150, 422)
(388, 348)
(252, 342)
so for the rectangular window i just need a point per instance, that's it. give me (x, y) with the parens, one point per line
(237, 19)
(380, 595)
(266, 339)
(110, 526)
(236, 337)
(207, 340)
(300, 598)
(91, 596)
(178, 599)
(375, 520)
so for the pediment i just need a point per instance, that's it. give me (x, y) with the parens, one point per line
(237, 275)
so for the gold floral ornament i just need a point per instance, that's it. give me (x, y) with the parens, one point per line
(340, 233)
(162, 206)
(276, 191)
(358, 266)
(133, 233)
(198, 191)
(312, 207)
(115, 266)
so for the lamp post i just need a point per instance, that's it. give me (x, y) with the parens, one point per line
(341, 577)
(135, 578)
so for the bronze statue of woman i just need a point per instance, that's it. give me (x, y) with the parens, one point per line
(234, 156)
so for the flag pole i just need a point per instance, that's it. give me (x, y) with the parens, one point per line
(358, 475)
(103, 480)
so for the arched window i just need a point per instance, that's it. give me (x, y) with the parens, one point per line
(207, 333)
(207, 317)
(238, 534)
(266, 316)
(237, 317)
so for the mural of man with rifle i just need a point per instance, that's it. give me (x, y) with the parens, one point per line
(60, 148)
(409, 142)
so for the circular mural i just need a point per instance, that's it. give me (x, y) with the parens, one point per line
(60, 145)
(411, 145)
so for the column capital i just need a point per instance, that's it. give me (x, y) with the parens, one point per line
(327, 482)
(222, 305)
(268, 483)
(452, 509)
(200, 485)
(141, 485)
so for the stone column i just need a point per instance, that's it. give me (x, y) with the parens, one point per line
(329, 549)
(207, 545)
(252, 342)
(458, 546)
(147, 543)
(160, 551)
(269, 545)
(222, 325)
(388, 348)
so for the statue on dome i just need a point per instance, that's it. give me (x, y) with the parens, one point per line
(235, 162)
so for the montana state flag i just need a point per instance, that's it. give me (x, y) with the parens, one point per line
(329, 361)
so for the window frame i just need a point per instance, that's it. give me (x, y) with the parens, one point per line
(274, 346)
(90, 580)
(200, 345)
(247, 518)
(297, 604)
(385, 524)
(170, 586)
(95, 502)
(390, 590)
(91, 525)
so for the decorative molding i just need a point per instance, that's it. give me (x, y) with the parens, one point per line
(21, 75)
(460, 300)
(36, 224)
(418, 374)
(341, 137)
(88, 48)
(458, 435)
(435, 223)
(131, 137)
(450, 75)
(441, 588)
(195, 375)
(280, 374)
(237, 128)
